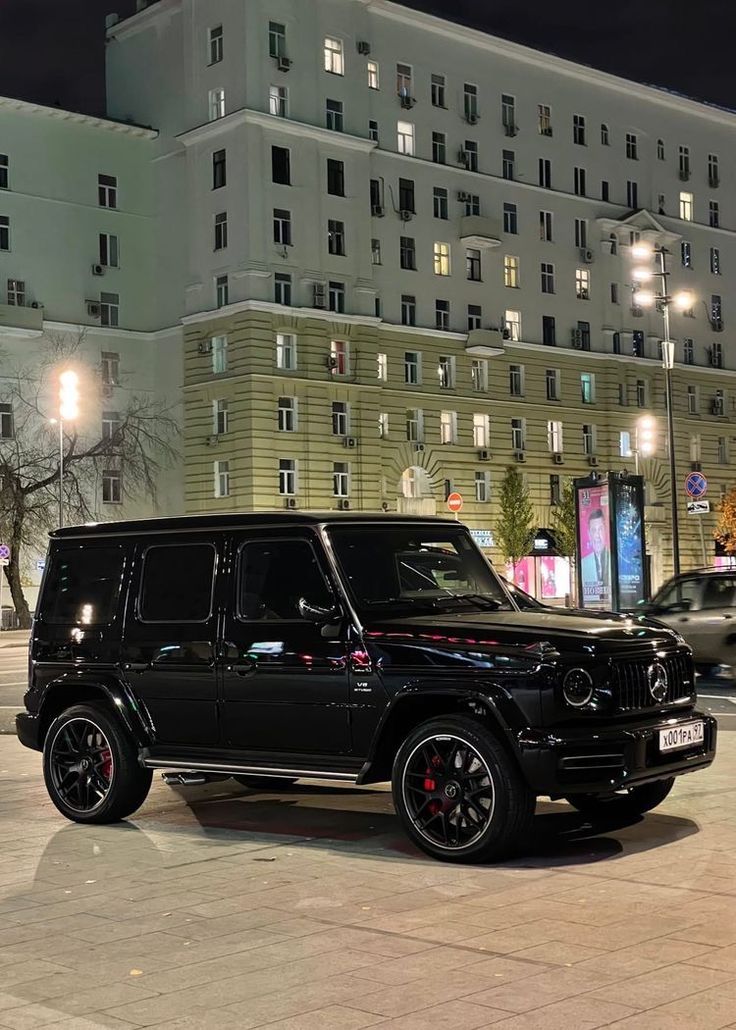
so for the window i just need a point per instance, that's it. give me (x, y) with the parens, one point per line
(605, 135)
(695, 447)
(548, 277)
(692, 400)
(282, 227)
(442, 259)
(375, 252)
(624, 444)
(7, 429)
(412, 368)
(219, 354)
(582, 284)
(285, 351)
(334, 56)
(276, 39)
(510, 220)
(340, 418)
(407, 253)
(336, 296)
(221, 230)
(716, 311)
(511, 271)
(472, 264)
(479, 375)
(222, 291)
(545, 173)
(110, 368)
(481, 430)
(107, 191)
(715, 261)
(83, 585)
(334, 115)
(518, 434)
(554, 437)
(383, 425)
(403, 80)
(109, 309)
(287, 477)
(579, 181)
(613, 288)
(545, 226)
(442, 315)
(684, 163)
(335, 177)
(508, 114)
(589, 439)
(339, 357)
(632, 194)
(470, 155)
(220, 417)
(112, 487)
(373, 78)
(16, 293)
(405, 138)
(382, 368)
(578, 129)
(641, 393)
(686, 254)
(512, 324)
(214, 37)
(222, 478)
(544, 118)
(482, 486)
(4, 232)
(471, 204)
(408, 309)
(617, 348)
(516, 380)
(660, 150)
(439, 148)
(281, 165)
(632, 146)
(282, 288)
(686, 207)
(111, 425)
(437, 90)
(108, 250)
(219, 169)
(549, 330)
(446, 371)
(714, 214)
(336, 237)
(475, 315)
(277, 101)
(217, 104)
(552, 381)
(340, 479)
(414, 425)
(604, 190)
(439, 202)
(688, 351)
(4, 172)
(587, 387)
(508, 164)
(373, 131)
(267, 570)
(581, 232)
(448, 427)
(714, 178)
(637, 343)
(470, 102)
(722, 453)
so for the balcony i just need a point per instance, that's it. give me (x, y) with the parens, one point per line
(479, 232)
(20, 321)
(485, 343)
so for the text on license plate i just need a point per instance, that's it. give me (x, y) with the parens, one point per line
(686, 734)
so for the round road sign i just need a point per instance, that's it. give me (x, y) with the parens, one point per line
(4, 552)
(455, 502)
(696, 485)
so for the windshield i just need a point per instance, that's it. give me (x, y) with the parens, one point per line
(400, 568)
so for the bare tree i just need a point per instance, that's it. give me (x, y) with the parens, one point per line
(139, 444)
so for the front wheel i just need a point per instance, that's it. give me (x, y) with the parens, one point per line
(91, 767)
(625, 803)
(459, 794)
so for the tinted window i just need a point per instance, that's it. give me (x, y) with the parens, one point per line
(274, 575)
(682, 594)
(177, 583)
(718, 592)
(83, 585)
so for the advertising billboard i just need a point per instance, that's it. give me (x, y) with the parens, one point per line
(594, 545)
(630, 564)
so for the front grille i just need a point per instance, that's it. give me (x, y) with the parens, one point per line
(631, 683)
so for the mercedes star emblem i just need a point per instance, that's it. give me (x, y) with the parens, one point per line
(658, 682)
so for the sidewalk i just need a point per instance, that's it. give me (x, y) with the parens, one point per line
(14, 638)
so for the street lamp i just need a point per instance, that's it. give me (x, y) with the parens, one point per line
(646, 439)
(68, 412)
(662, 300)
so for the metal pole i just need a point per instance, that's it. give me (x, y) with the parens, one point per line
(668, 361)
(61, 472)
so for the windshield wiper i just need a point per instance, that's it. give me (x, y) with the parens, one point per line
(489, 602)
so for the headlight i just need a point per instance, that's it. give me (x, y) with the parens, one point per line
(577, 688)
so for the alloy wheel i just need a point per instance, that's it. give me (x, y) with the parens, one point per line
(81, 765)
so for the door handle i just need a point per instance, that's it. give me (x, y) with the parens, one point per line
(136, 666)
(242, 668)
(685, 619)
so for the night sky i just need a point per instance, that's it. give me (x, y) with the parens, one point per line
(52, 51)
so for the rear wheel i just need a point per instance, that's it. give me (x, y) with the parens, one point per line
(91, 767)
(459, 794)
(265, 782)
(627, 803)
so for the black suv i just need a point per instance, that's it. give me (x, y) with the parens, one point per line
(350, 647)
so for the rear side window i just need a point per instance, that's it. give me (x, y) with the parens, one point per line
(177, 583)
(82, 586)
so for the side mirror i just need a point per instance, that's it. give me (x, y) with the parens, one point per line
(316, 613)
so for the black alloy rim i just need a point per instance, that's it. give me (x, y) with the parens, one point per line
(448, 792)
(81, 765)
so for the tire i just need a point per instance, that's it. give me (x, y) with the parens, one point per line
(266, 782)
(90, 766)
(489, 812)
(628, 803)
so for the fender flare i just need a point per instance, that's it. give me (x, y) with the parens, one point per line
(107, 685)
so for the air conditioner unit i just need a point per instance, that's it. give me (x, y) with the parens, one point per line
(377, 210)
(484, 454)
(510, 129)
(350, 441)
(472, 119)
(331, 361)
(407, 102)
(212, 440)
(576, 338)
(463, 157)
(464, 197)
(696, 466)
(290, 502)
(592, 461)
(363, 46)
(283, 63)
(343, 504)
(319, 295)
(98, 269)
(35, 304)
(558, 459)
(204, 347)
(587, 255)
(419, 447)
(520, 455)
(94, 309)
(405, 214)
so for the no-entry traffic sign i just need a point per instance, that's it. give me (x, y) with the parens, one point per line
(455, 502)
(696, 485)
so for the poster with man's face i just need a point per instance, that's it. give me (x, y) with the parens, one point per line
(594, 546)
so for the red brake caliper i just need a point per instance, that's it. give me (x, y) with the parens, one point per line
(106, 767)
(430, 784)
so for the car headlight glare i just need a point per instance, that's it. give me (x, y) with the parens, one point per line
(577, 688)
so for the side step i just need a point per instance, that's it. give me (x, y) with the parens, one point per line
(191, 778)
(189, 769)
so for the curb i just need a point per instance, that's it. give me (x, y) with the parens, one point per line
(7, 720)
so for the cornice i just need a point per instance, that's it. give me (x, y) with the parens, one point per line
(248, 116)
(59, 114)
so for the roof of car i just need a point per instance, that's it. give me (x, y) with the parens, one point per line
(241, 520)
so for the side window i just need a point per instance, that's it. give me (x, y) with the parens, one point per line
(684, 593)
(273, 575)
(176, 585)
(718, 592)
(82, 586)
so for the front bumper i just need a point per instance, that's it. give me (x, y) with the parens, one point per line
(28, 730)
(600, 758)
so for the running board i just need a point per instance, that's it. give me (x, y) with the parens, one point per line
(233, 769)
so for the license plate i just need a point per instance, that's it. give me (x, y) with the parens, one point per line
(687, 734)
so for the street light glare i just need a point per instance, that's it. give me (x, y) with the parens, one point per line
(644, 298)
(69, 379)
(641, 274)
(683, 300)
(68, 395)
(642, 252)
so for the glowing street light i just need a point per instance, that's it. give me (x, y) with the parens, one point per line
(68, 412)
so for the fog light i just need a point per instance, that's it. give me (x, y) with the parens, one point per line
(577, 687)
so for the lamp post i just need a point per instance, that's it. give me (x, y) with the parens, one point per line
(662, 300)
(646, 444)
(68, 412)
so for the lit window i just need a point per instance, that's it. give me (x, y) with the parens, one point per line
(554, 437)
(285, 351)
(511, 271)
(334, 56)
(339, 357)
(405, 138)
(219, 354)
(481, 430)
(277, 101)
(686, 207)
(382, 367)
(403, 80)
(448, 427)
(479, 375)
(217, 104)
(582, 284)
(624, 444)
(587, 387)
(373, 81)
(442, 259)
(512, 324)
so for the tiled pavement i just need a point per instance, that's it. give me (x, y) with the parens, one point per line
(217, 907)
